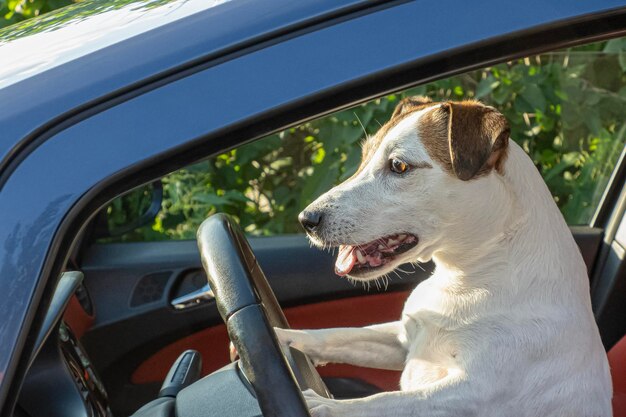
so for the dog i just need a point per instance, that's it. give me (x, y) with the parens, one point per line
(504, 325)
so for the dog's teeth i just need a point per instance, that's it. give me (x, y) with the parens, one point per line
(401, 237)
(360, 256)
(381, 247)
(392, 242)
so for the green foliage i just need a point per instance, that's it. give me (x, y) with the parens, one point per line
(566, 110)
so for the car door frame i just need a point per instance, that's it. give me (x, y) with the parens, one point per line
(40, 232)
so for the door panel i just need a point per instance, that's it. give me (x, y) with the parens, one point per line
(347, 312)
(136, 334)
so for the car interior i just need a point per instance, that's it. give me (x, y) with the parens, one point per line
(142, 327)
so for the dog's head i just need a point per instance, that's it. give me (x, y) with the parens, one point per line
(425, 178)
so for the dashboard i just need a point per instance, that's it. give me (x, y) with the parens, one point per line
(61, 381)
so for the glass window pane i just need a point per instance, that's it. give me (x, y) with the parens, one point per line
(566, 109)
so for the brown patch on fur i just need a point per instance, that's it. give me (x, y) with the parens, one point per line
(478, 137)
(404, 108)
(467, 138)
(433, 131)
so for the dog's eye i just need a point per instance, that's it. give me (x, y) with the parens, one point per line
(398, 166)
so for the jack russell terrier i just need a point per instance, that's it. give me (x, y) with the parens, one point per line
(504, 326)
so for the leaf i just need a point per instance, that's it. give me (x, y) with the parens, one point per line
(351, 164)
(533, 95)
(234, 195)
(486, 86)
(615, 45)
(318, 156)
(567, 161)
(211, 199)
(320, 181)
(593, 121)
(622, 60)
(522, 106)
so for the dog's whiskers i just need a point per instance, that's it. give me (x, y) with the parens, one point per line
(362, 127)
(386, 281)
(406, 272)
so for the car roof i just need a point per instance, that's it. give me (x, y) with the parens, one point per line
(37, 45)
(90, 50)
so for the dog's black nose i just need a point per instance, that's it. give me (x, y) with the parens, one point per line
(310, 219)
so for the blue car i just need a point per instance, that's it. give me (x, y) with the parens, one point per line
(106, 98)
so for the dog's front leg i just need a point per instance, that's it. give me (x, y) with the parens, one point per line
(378, 346)
(439, 400)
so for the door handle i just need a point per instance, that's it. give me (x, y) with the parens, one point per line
(195, 298)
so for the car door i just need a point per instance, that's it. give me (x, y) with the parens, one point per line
(144, 284)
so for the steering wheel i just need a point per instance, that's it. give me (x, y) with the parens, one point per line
(250, 310)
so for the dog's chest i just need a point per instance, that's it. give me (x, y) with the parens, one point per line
(431, 338)
(429, 307)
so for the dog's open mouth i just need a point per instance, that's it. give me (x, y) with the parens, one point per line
(367, 257)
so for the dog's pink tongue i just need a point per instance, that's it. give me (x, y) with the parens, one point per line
(345, 260)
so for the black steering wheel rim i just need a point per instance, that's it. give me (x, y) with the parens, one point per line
(250, 310)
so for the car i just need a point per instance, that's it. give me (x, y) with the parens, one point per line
(103, 97)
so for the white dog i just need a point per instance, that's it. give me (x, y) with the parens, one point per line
(504, 325)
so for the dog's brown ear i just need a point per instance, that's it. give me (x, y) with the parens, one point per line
(410, 103)
(478, 138)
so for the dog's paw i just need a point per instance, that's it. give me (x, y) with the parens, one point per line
(320, 406)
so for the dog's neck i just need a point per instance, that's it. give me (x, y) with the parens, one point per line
(518, 239)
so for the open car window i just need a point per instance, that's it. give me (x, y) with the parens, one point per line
(565, 109)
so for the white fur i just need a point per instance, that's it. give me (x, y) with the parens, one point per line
(504, 325)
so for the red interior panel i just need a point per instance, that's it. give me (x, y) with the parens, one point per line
(77, 318)
(617, 361)
(212, 343)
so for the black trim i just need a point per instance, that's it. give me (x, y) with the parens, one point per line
(609, 303)
(612, 193)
